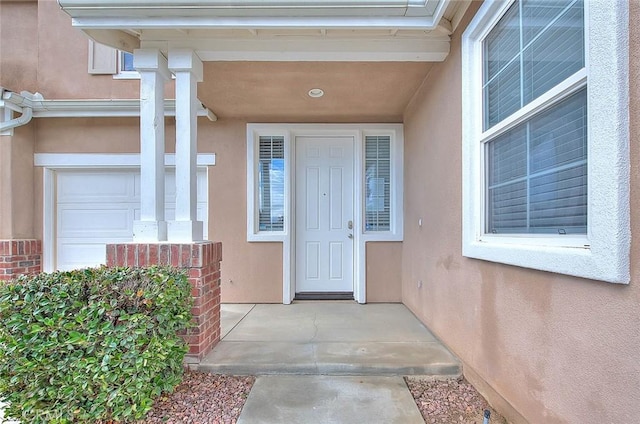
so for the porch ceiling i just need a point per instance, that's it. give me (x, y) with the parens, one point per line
(261, 57)
(277, 91)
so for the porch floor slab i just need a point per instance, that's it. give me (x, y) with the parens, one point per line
(327, 338)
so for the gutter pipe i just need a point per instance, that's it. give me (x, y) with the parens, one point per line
(22, 103)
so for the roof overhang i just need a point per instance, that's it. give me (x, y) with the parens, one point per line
(412, 14)
(378, 30)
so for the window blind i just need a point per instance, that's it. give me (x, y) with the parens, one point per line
(535, 45)
(377, 183)
(271, 183)
(537, 173)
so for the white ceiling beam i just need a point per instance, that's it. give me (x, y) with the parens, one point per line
(319, 49)
(102, 108)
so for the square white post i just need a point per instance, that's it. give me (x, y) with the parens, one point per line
(187, 67)
(153, 70)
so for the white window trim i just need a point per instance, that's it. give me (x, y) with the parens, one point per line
(253, 232)
(54, 162)
(604, 253)
(125, 75)
(397, 184)
(287, 236)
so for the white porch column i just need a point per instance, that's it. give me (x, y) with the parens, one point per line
(153, 70)
(187, 67)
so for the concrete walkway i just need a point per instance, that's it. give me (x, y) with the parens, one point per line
(328, 362)
(322, 399)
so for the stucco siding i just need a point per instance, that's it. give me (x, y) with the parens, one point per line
(17, 184)
(18, 45)
(384, 261)
(558, 349)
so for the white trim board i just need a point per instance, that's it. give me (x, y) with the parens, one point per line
(84, 160)
(62, 108)
(69, 108)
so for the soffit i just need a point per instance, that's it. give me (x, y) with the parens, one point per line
(277, 91)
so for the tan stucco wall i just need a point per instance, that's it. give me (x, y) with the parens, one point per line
(18, 45)
(384, 262)
(558, 349)
(62, 72)
(251, 272)
(17, 184)
(41, 51)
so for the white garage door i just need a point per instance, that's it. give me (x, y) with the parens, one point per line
(98, 207)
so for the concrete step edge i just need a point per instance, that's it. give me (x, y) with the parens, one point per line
(445, 370)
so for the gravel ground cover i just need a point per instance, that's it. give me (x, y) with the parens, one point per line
(203, 398)
(450, 401)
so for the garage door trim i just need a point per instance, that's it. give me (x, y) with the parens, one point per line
(52, 162)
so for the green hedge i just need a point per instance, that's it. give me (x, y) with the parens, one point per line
(92, 344)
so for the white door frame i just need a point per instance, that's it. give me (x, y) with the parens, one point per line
(300, 160)
(54, 162)
(359, 261)
(360, 238)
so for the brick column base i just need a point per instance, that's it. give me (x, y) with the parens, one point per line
(202, 260)
(20, 257)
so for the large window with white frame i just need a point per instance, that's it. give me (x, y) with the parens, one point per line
(535, 172)
(536, 183)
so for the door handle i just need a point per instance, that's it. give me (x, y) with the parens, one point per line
(350, 225)
(350, 236)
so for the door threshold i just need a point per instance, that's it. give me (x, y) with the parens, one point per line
(324, 296)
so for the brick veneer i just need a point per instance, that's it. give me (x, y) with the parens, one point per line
(19, 257)
(202, 259)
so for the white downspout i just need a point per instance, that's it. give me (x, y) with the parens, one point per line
(21, 103)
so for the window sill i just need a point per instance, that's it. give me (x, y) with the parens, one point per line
(127, 75)
(266, 237)
(577, 260)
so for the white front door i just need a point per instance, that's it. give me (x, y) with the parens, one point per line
(324, 214)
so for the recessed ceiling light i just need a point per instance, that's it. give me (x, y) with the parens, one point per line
(316, 92)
